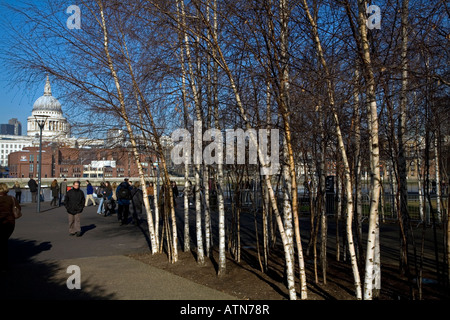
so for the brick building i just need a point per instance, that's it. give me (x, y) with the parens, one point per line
(65, 162)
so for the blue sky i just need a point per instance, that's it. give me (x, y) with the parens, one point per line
(16, 101)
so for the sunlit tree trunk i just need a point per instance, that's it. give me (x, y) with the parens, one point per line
(372, 267)
(342, 150)
(285, 109)
(198, 133)
(127, 122)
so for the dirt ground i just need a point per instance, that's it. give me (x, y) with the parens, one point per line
(246, 281)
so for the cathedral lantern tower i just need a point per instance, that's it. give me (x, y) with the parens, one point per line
(56, 127)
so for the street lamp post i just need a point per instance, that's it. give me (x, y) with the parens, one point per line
(40, 120)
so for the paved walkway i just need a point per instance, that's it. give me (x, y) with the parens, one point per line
(41, 250)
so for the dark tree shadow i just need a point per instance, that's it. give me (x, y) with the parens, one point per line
(28, 279)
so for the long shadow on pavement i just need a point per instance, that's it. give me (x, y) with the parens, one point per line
(34, 280)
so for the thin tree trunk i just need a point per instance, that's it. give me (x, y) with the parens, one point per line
(438, 177)
(127, 123)
(187, 160)
(198, 134)
(261, 157)
(341, 148)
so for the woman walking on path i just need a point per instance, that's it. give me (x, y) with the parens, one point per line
(100, 195)
(7, 223)
(108, 204)
(74, 203)
(18, 191)
(55, 193)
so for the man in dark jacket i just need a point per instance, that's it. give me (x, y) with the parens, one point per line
(32, 184)
(74, 203)
(137, 200)
(123, 193)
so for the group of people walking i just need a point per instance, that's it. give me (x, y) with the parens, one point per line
(124, 195)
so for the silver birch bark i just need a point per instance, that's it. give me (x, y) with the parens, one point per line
(187, 239)
(437, 175)
(285, 109)
(403, 188)
(197, 140)
(322, 193)
(155, 204)
(358, 171)
(287, 210)
(419, 164)
(371, 102)
(220, 183)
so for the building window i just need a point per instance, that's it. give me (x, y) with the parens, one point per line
(31, 167)
(31, 157)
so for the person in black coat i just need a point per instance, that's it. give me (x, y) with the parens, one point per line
(32, 184)
(123, 193)
(74, 203)
(137, 199)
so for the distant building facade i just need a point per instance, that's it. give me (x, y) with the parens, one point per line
(13, 128)
(65, 162)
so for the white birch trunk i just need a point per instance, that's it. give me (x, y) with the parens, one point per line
(197, 144)
(371, 266)
(207, 212)
(155, 203)
(187, 239)
(284, 39)
(287, 212)
(341, 150)
(220, 182)
(358, 171)
(128, 125)
(438, 178)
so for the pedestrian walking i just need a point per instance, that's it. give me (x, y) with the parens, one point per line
(74, 203)
(7, 223)
(123, 193)
(100, 190)
(114, 189)
(18, 191)
(54, 187)
(32, 184)
(108, 204)
(62, 191)
(90, 194)
(137, 199)
(151, 194)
